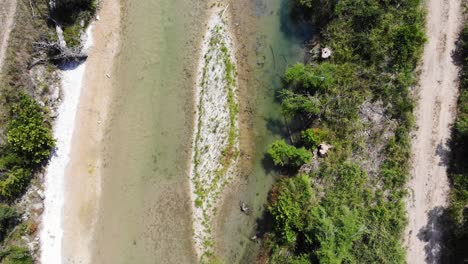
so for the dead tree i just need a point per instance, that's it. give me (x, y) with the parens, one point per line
(53, 51)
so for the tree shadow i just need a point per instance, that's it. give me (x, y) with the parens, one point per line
(443, 152)
(276, 126)
(70, 65)
(294, 22)
(435, 234)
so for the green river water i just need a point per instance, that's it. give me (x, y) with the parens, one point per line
(145, 208)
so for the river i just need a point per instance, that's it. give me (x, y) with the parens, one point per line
(145, 210)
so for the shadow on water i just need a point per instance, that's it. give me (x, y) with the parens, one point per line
(294, 25)
(70, 65)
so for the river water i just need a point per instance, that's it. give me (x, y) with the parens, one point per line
(145, 210)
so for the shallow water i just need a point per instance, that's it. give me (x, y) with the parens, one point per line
(145, 214)
(273, 41)
(145, 210)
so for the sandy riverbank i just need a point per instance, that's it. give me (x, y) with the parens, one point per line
(51, 232)
(82, 175)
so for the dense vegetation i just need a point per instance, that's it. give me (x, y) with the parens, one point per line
(26, 138)
(458, 241)
(337, 209)
(74, 16)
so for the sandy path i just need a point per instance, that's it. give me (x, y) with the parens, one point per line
(435, 113)
(7, 15)
(83, 172)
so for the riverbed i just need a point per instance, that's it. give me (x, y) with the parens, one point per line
(145, 210)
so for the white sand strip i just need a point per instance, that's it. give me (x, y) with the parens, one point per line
(215, 146)
(51, 231)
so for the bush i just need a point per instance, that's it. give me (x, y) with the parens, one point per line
(16, 255)
(313, 137)
(14, 182)
(8, 219)
(27, 134)
(284, 154)
(289, 204)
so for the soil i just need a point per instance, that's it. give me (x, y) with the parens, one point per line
(7, 17)
(435, 113)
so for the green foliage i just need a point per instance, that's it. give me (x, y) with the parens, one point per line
(13, 182)
(284, 154)
(313, 137)
(27, 134)
(71, 14)
(16, 255)
(288, 206)
(353, 218)
(8, 219)
(335, 234)
(458, 170)
(311, 79)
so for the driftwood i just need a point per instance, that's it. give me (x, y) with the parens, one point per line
(53, 51)
(244, 208)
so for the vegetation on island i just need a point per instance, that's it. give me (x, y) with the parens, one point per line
(26, 138)
(458, 171)
(345, 206)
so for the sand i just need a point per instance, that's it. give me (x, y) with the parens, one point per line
(212, 129)
(435, 113)
(7, 15)
(82, 177)
(51, 231)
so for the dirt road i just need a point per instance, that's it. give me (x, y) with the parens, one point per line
(7, 15)
(435, 113)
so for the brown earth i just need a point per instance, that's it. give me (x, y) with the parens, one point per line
(435, 113)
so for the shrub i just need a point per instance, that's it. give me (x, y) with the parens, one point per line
(284, 154)
(16, 255)
(289, 205)
(8, 219)
(312, 137)
(14, 182)
(27, 133)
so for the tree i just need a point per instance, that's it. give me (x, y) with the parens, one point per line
(335, 231)
(16, 255)
(310, 78)
(288, 206)
(27, 134)
(8, 218)
(14, 182)
(312, 137)
(284, 154)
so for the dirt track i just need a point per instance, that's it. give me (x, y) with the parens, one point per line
(435, 114)
(7, 15)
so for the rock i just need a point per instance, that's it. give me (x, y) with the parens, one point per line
(55, 94)
(41, 194)
(326, 53)
(244, 208)
(37, 206)
(323, 149)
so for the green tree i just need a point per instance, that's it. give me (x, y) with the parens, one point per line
(312, 137)
(8, 219)
(335, 232)
(289, 204)
(16, 255)
(14, 182)
(285, 154)
(27, 133)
